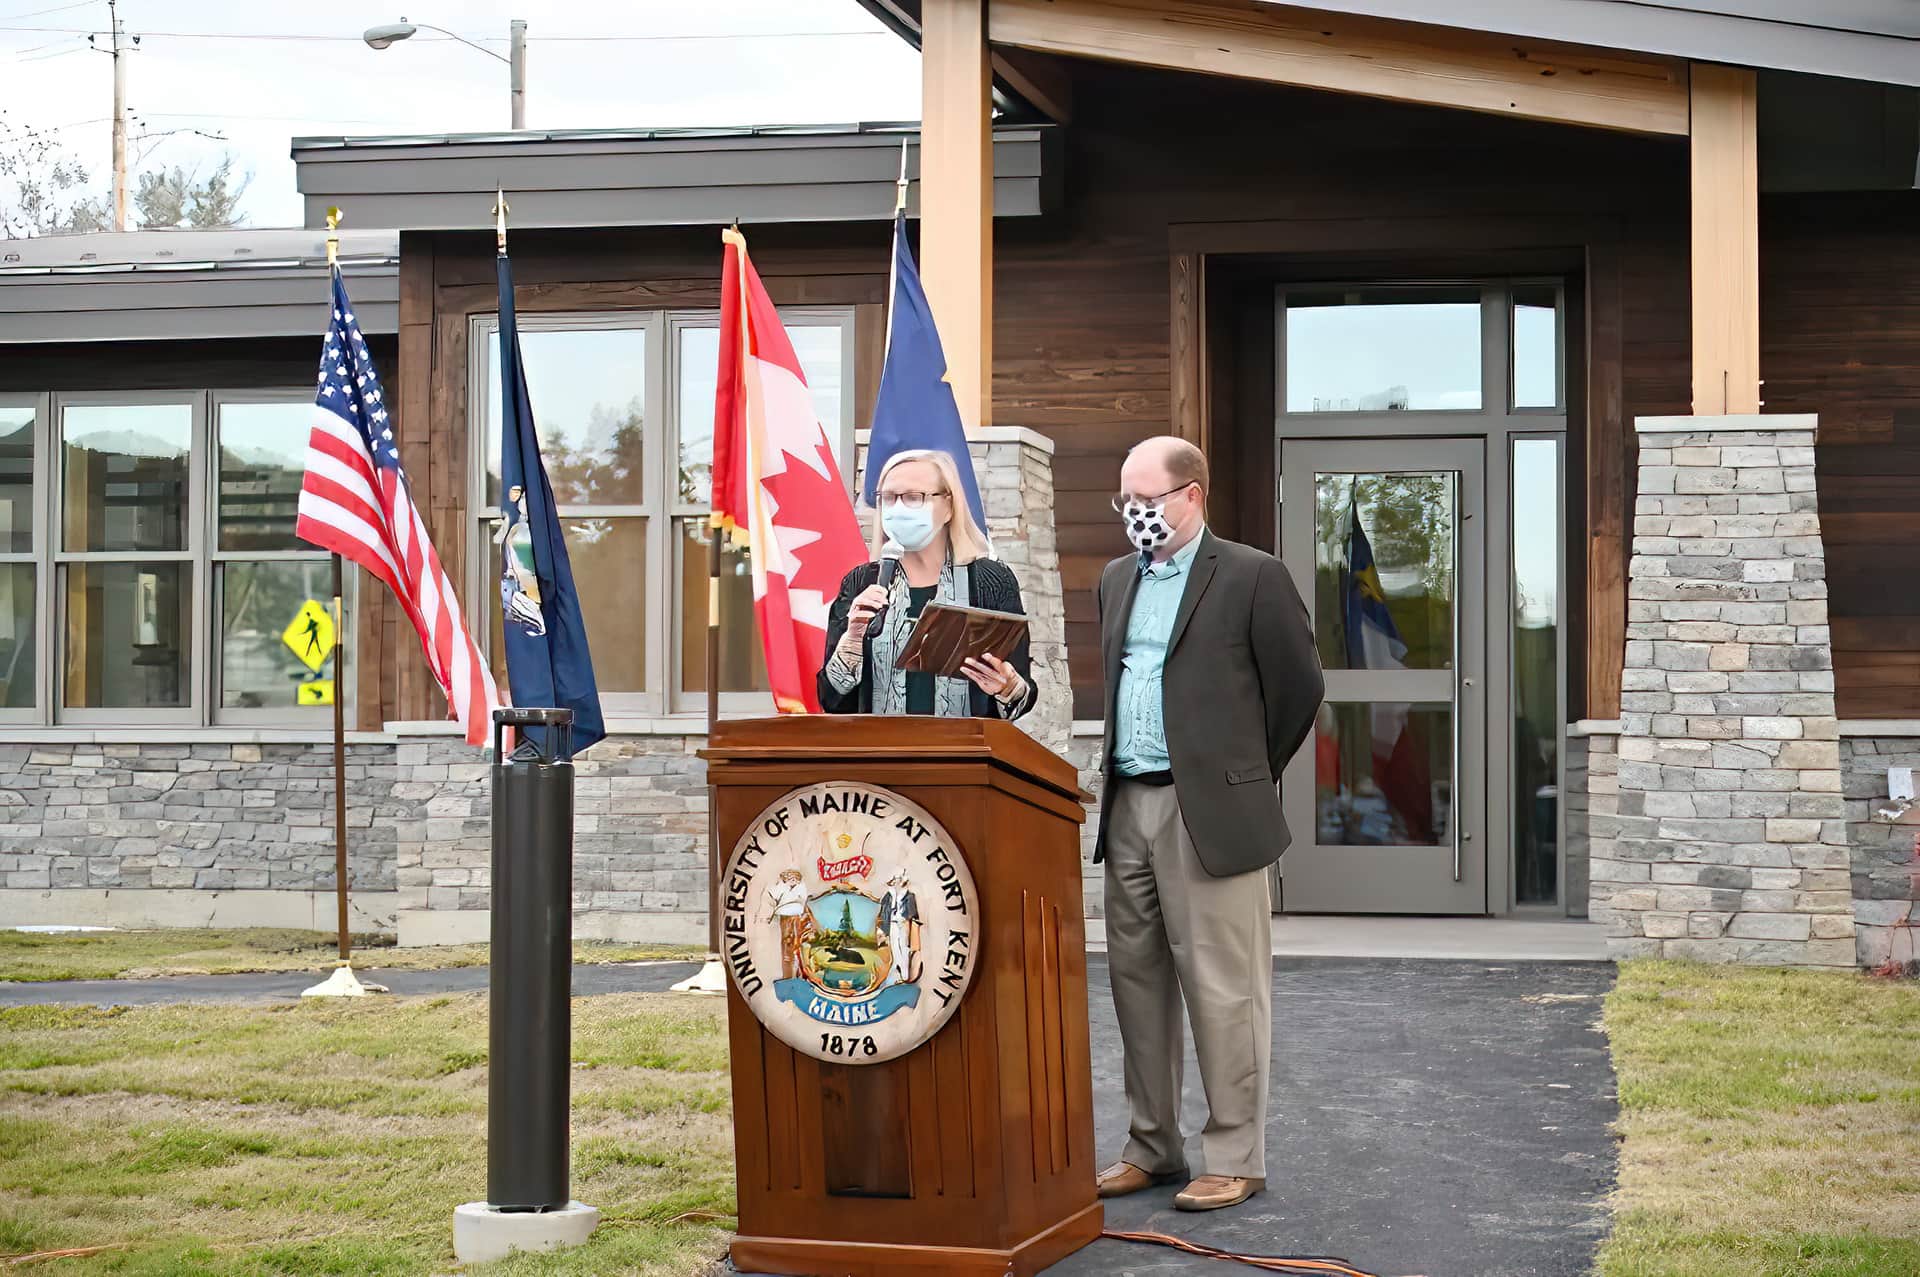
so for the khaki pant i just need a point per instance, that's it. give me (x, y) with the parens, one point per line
(1175, 932)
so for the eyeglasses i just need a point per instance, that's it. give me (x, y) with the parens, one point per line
(910, 500)
(1121, 500)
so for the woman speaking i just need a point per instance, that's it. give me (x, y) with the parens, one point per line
(943, 559)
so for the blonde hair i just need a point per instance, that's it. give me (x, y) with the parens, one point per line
(964, 536)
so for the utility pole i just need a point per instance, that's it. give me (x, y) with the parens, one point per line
(119, 115)
(517, 72)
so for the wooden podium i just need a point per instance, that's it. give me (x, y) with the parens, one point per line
(973, 1152)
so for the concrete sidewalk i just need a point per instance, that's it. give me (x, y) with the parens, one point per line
(276, 986)
(1298, 935)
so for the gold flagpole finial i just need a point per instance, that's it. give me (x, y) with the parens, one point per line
(500, 221)
(333, 237)
(900, 197)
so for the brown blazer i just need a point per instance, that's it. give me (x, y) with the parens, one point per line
(1241, 686)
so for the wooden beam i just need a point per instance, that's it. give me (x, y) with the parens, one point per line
(1042, 81)
(1374, 57)
(956, 195)
(1726, 241)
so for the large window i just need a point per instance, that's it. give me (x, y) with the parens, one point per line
(624, 406)
(148, 566)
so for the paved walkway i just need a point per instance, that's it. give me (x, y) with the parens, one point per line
(1442, 1118)
(1446, 1118)
(1306, 935)
(622, 977)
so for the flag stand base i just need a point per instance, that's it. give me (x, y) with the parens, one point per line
(711, 979)
(343, 983)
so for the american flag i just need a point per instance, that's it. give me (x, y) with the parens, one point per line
(355, 501)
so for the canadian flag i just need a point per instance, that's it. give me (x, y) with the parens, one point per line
(776, 488)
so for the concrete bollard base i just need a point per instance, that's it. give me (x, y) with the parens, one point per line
(481, 1233)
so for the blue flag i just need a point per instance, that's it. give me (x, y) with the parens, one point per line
(915, 408)
(547, 660)
(1373, 640)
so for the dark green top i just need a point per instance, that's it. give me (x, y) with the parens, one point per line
(919, 682)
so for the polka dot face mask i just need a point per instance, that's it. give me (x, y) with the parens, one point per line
(1146, 519)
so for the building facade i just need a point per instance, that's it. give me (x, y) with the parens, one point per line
(1598, 354)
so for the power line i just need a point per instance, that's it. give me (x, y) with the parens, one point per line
(550, 39)
(62, 8)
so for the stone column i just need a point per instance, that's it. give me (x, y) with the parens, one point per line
(1731, 835)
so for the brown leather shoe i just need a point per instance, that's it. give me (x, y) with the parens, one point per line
(1124, 1177)
(1211, 1192)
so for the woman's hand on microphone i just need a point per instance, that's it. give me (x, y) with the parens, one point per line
(860, 615)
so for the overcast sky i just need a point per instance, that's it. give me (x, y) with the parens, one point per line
(259, 74)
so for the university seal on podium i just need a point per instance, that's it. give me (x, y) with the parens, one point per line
(849, 922)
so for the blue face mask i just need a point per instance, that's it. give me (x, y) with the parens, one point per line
(913, 529)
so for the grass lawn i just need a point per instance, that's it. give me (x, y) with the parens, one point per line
(337, 1138)
(113, 955)
(1770, 1123)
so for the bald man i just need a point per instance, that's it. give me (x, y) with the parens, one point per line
(1212, 683)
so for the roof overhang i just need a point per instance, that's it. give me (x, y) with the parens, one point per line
(658, 177)
(179, 284)
(1876, 40)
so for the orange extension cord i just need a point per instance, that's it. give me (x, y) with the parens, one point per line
(1293, 1265)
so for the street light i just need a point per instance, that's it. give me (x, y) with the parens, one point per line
(388, 33)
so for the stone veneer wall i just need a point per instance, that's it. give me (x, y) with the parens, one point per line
(127, 832)
(1592, 799)
(1730, 843)
(1886, 855)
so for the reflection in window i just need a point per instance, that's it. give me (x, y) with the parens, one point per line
(17, 642)
(257, 603)
(1383, 774)
(1383, 350)
(1536, 670)
(609, 560)
(1384, 570)
(125, 476)
(127, 635)
(818, 349)
(588, 387)
(262, 461)
(743, 665)
(1536, 346)
(16, 480)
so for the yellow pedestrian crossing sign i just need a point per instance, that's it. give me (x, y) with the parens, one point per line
(311, 636)
(318, 691)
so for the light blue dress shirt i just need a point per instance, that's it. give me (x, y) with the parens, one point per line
(1140, 730)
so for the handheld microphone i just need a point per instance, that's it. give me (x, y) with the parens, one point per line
(890, 554)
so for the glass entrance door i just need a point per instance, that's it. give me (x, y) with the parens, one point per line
(1386, 802)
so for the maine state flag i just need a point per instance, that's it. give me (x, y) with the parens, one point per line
(547, 660)
(915, 408)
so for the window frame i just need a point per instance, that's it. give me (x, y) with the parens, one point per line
(661, 510)
(216, 559)
(37, 555)
(192, 713)
(52, 563)
(679, 322)
(1496, 365)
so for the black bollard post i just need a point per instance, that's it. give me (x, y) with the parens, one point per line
(531, 967)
